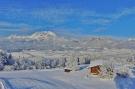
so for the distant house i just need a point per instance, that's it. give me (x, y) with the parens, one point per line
(95, 67)
(67, 70)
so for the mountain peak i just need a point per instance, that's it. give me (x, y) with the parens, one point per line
(45, 35)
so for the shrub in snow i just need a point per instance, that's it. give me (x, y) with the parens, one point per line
(39, 65)
(26, 64)
(123, 70)
(72, 63)
(5, 59)
(1, 66)
(17, 65)
(50, 63)
(106, 73)
(61, 62)
(53, 63)
(8, 68)
(107, 70)
(45, 63)
(10, 60)
(23, 64)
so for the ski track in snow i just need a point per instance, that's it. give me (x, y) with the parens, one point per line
(21, 80)
(38, 84)
(55, 79)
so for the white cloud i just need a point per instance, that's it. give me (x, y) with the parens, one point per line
(61, 15)
(99, 21)
(124, 12)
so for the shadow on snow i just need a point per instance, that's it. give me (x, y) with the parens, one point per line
(124, 83)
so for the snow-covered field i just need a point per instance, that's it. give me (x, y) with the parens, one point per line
(53, 79)
(48, 52)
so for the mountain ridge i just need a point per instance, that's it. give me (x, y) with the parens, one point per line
(44, 35)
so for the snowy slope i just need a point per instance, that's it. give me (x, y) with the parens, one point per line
(53, 79)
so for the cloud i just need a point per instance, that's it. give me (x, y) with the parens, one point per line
(52, 15)
(99, 21)
(61, 15)
(63, 12)
(105, 19)
(124, 12)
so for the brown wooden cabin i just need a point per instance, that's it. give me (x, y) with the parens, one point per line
(95, 70)
(95, 67)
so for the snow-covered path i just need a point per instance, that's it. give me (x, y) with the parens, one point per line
(52, 79)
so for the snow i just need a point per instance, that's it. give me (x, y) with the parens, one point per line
(35, 36)
(95, 63)
(53, 79)
(125, 83)
(1, 85)
(42, 35)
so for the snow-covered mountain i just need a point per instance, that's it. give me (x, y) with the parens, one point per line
(45, 35)
(48, 40)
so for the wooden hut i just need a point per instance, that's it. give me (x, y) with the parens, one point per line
(95, 67)
(95, 70)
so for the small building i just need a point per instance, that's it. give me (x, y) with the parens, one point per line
(95, 70)
(67, 70)
(95, 67)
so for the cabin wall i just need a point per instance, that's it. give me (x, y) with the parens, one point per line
(95, 70)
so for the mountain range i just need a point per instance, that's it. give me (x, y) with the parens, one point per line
(46, 35)
(48, 40)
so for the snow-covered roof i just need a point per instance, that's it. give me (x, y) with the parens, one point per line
(67, 68)
(95, 63)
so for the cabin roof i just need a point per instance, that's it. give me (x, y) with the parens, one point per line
(95, 63)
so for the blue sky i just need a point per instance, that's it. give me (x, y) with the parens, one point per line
(74, 17)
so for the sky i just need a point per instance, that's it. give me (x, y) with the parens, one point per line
(68, 17)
